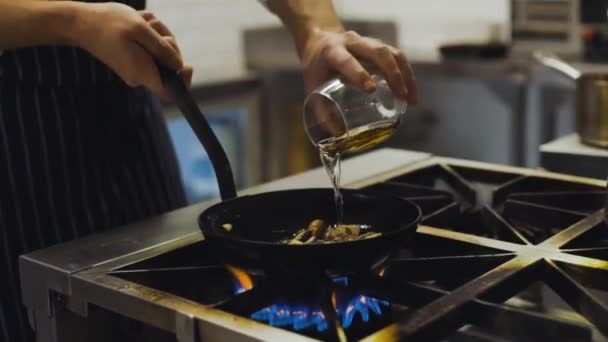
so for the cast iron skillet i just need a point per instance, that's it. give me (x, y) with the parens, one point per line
(260, 221)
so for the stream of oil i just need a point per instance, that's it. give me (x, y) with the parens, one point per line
(332, 149)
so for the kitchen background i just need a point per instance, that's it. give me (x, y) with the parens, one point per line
(247, 80)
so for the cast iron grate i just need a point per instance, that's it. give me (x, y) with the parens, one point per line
(552, 231)
(492, 247)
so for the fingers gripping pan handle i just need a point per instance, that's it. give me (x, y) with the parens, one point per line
(199, 124)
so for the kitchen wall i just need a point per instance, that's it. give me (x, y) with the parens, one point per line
(209, 30)
(424, 24)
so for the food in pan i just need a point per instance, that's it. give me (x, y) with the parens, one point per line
(320, 232)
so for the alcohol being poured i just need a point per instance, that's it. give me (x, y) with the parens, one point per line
(354, 119)
(357, 139)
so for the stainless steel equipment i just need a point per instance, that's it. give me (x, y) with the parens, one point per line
(568, 155)
(591, 97)
(551, 25)
(501, 247)
(559, 26)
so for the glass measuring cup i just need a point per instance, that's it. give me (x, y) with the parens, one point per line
(341, 118)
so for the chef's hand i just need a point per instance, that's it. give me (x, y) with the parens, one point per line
(162, 29)
(327, 53)
(130, 43)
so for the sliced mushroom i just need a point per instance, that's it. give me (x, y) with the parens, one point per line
(368, 235)
(318, 228)
(310, 240)
(319, 232)
(301, 235)
(343, 232)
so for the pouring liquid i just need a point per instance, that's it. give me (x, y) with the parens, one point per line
(356, 139)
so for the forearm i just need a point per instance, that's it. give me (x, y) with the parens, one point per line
(303, 18)
(26, 23)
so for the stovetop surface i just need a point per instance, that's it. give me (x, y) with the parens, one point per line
(498, 256)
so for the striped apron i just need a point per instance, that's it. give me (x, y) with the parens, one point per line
(80, 152)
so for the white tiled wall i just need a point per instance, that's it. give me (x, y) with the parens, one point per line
(209, 30)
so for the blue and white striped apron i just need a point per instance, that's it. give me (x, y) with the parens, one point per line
(80, 152)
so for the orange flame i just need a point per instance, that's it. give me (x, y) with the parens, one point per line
(381, 273)
(333, 299)
(242, 277)
(339, 330)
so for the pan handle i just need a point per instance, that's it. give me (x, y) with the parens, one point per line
(199, 124)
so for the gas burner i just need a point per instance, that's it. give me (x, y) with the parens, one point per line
(322, 308)
(352, 311)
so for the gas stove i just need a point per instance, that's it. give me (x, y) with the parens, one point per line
(501, 254)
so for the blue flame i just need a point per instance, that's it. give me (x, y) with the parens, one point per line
(304, 317)
(341, 280)
(301, 317)
(362, 305)
(238, 288)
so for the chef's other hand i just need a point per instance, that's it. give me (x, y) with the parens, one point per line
(130, 43)
(326, 53)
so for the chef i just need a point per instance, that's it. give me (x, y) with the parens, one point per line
(83, 145)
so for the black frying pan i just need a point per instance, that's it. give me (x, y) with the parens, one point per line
(260, 221)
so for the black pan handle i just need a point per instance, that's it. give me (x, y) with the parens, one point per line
(199, 124)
